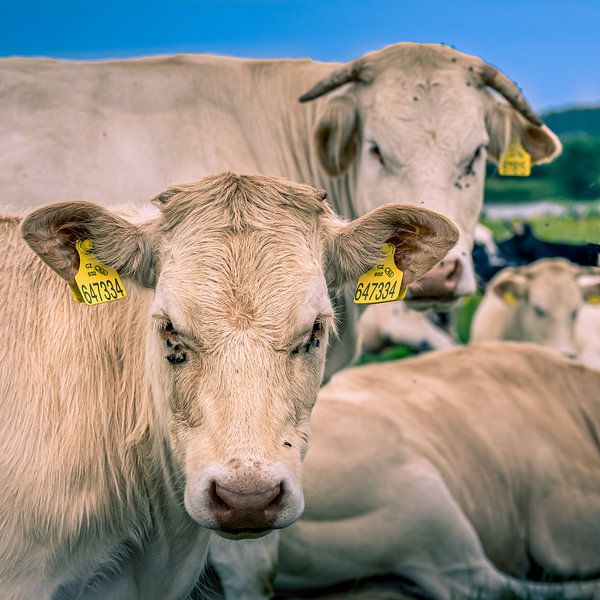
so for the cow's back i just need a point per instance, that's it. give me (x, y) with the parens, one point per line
(498, 421)
(116, 132)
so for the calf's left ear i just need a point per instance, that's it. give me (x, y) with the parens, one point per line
(421, 238)
(53, 231)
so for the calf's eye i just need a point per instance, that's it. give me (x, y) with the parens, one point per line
(539, 312)
(175, 351)
(314, 341)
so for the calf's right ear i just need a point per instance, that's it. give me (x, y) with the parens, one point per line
(421, 237)
(53, 231)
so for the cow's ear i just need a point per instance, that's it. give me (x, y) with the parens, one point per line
(589, 282)
(505, 126)
(53, 231)
(338, 135)
(510, 286)
(421, 237)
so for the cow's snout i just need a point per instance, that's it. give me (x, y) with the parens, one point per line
(242, 503)
(247, 510)
(441, 282)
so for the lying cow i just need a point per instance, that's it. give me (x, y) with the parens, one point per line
(394, 323)
(524, 247)
(129, 430)
(448, 472)
(538, 303)
(410, 123)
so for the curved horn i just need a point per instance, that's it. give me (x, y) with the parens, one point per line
(498, 81)
(352, 72)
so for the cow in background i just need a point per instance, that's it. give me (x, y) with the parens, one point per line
(393, 323)
(524, 247)
(411, 123)
(538, 303)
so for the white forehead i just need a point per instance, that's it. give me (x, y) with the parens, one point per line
(555, 289)
(295, 308)
(440, 100)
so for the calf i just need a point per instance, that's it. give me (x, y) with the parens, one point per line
(130, 429)
(536, 303)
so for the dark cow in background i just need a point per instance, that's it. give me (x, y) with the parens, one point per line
(523, 248)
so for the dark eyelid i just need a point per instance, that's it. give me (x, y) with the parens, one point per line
(473, 157)
(164, 323)
(323, 319)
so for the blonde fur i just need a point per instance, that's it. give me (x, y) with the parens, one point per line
(102, 440)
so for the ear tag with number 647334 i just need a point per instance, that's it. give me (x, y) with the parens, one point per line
(95, 282)
(381, 283)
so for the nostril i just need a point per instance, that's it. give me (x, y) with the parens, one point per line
(275, 504)
(455, 271)
(216, 501)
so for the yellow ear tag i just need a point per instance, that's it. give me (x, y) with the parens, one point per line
(96, 282)
(510, 298)
(593, 299)
(515, 161)
(381, 283)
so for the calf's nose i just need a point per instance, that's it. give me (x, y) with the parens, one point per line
(441, 281)
(253, 510)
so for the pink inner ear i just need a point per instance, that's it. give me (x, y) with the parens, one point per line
(406, 241)
(67, 235)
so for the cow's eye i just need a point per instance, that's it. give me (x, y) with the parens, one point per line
(174, 350)
(470, 167)
(375, 152)
(540, 312)
(313, 341)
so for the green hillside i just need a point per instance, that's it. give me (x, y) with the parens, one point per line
(574, 120)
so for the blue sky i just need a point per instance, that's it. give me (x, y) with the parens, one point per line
(551, 48)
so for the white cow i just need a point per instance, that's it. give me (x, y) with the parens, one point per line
(460, 472)
(395, 323)
(411, 123)
(130, 429)
(538, 303)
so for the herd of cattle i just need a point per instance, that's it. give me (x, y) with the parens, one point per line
(145, 438)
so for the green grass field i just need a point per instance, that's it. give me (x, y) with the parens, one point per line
(554, 229)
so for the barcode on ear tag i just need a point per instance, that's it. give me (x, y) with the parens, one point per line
(95, 282)
(382, 282)
(515, 162)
